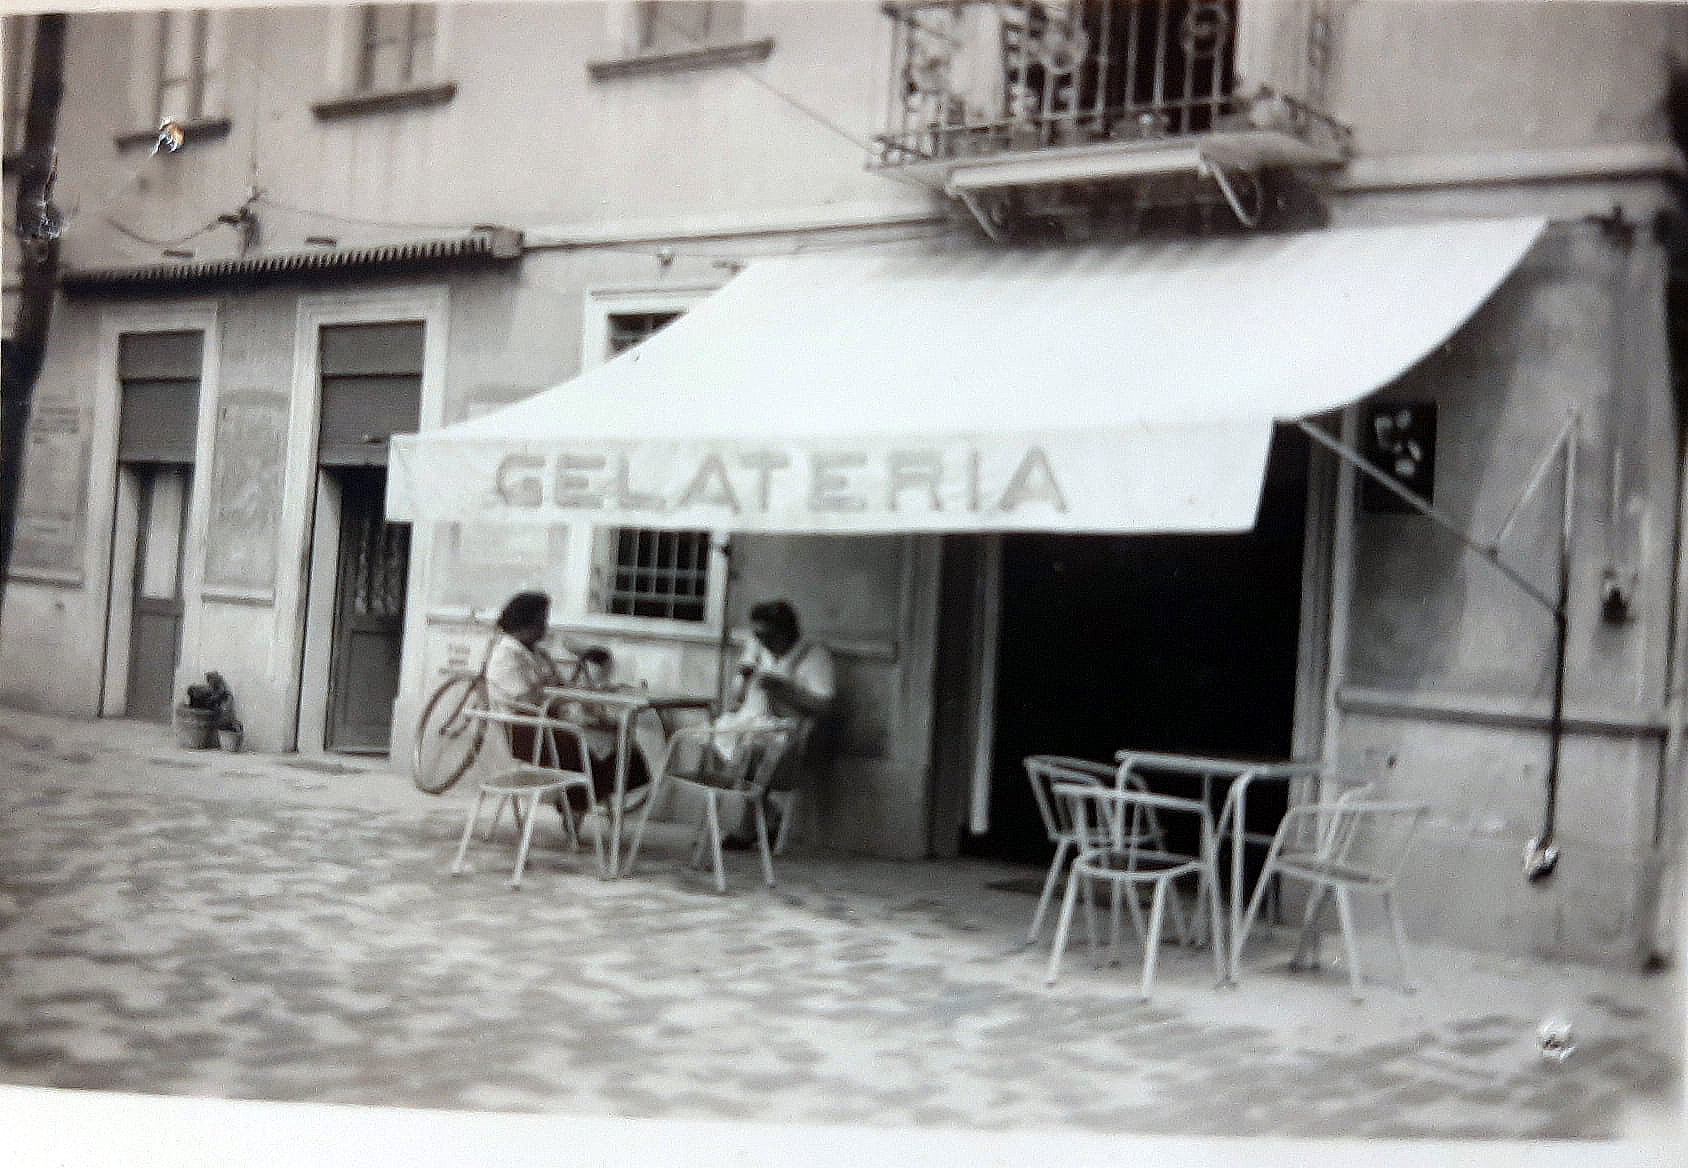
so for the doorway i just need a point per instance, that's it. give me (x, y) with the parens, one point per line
(1175, 643)
(160, 493)
(158, 379)
(370, 389)
(369, 594)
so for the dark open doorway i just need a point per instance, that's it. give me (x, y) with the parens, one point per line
(1173, 643)
(369, 597)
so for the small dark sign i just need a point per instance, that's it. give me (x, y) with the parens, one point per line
(1399, 439)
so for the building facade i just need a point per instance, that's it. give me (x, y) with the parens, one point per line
(383, 219)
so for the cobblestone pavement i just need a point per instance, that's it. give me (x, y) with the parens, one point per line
(284, 928)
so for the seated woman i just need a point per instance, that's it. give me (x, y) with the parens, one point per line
(783, 678)
(517, 673)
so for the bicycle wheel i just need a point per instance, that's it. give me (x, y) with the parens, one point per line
(446, 740)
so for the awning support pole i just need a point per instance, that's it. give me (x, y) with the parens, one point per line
(726, 547)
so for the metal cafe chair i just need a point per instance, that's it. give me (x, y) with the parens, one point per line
(1044, 771)
(1340, 848)
(692, 761)
(1116, 851)
(520, 785)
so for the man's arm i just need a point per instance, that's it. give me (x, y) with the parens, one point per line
(810, 692)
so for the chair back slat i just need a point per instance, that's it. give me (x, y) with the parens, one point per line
(543, 734)
(1370, 837)
(1128, 819)
(1045, 771)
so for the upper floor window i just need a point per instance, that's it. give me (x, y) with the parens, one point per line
(395, 48)
(670, 36)
(20, 51)
(387, 60)
(680, 26)
(187, 78)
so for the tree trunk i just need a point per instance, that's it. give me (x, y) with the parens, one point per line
(37, 231)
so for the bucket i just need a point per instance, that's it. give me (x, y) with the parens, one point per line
(231, 739)
(195, 729)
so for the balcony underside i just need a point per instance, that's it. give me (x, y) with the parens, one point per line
(1244, 150)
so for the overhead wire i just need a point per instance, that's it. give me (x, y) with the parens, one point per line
(257, 195)
(161, 243)
(807, 111)
(801, 107)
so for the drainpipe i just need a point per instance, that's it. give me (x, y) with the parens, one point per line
(1542, 857)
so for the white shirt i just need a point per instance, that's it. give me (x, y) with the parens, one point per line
(517, 675)
(807, 664)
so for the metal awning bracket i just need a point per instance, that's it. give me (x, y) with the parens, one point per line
(1489, 551)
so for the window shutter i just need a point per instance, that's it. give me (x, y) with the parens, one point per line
(159, 378)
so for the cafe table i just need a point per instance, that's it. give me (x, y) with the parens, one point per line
(626, 704)
(1301, 777)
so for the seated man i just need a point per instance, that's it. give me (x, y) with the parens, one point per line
(781, 677)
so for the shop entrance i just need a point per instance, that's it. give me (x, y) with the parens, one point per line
(158, 377)
(374, 561)
(160, 494)
(1172, 643)
(371, 385)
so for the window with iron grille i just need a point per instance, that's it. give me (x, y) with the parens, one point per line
(395, 46)
(647, 572)
(654, 573)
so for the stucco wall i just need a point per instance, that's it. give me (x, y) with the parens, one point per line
(529, 139)
(1500, 74)
(1470, 76)
(1450, 664)
(53, 622)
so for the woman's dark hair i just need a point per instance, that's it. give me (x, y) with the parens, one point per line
(780, 615)
(524, 610)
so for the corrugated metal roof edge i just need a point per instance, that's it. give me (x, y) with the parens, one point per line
(497, 245)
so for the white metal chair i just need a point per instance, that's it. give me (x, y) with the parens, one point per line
(521, 785)
(1340, 848)
(694, 761)
(1117, 848)
(1044, 771)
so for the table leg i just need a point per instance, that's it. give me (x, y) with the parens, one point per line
(623, 743)
(1237, 821)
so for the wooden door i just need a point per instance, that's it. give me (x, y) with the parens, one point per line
(155, 629)
(369, 595)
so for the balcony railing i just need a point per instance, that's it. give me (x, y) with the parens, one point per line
(973, 79)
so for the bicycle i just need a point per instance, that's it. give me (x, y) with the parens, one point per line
(448, 739)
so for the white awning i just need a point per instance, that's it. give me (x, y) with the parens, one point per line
(1098, 388)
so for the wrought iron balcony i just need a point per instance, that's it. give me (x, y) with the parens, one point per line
(1018, 93)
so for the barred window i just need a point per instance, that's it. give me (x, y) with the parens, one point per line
(644, 571)
(662, 574)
